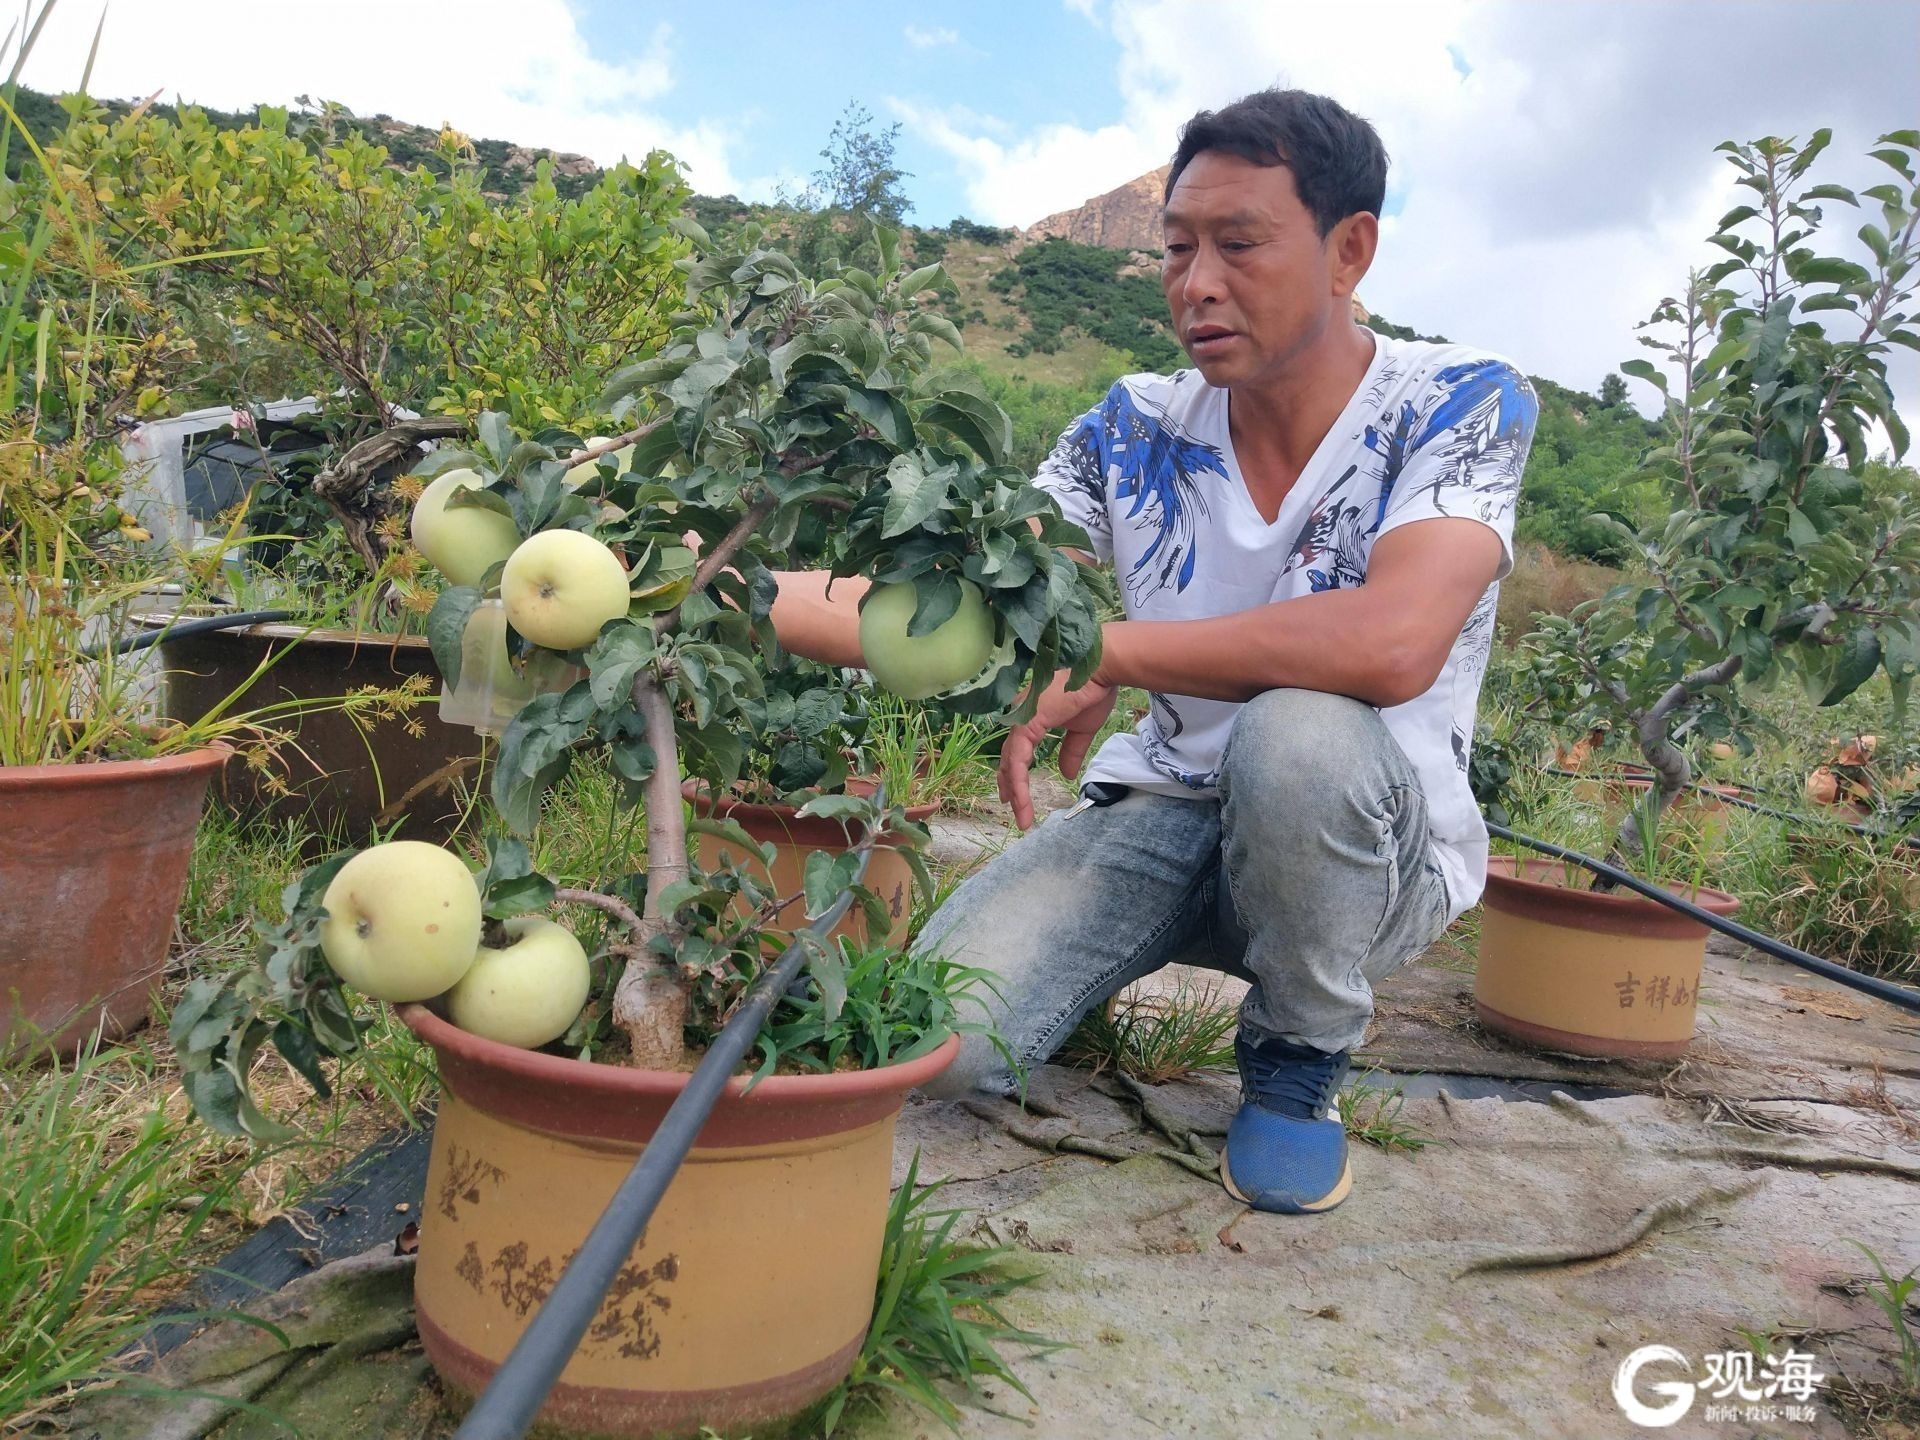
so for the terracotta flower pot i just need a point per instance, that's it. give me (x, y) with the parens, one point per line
(794, 838)
(750, 1293)
(1590, 973)
(338, 778)
(91, 871)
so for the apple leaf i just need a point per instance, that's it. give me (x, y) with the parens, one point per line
(477, 497)
(938, 599)
(838, 807)
(535, 752)
(1859, 658)
(615, 661)
(447, 629)
(496, 436)
(913, 493)
(826, 875)
(884, 413)
(828, 967)
(296, 1046)
(509, 885)
(974, 419)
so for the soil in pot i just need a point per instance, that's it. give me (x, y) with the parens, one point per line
(339, 780)
(1589, 973)
(794, 838)
(91, 873)
(748, 1297)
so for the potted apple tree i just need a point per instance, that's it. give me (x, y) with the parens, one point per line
(780, 399)
(1781, 560)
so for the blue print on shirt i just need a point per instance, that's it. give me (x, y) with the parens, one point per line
(1156, 466)
(1477, 422)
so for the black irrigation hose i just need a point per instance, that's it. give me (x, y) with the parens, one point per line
(518, 1388)
(1905, 998)
(127, 644)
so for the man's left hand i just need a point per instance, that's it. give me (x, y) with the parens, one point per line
(1081, 712)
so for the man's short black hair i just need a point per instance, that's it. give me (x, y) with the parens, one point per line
(1339, 165)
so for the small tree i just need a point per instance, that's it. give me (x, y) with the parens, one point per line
(1613, 391)
(779, 401)
(861, 176)
(1777, 558)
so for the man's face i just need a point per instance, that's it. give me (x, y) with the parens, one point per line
(1248, 279)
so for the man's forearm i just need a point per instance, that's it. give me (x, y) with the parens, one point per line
(1337, 641)
(811, 623)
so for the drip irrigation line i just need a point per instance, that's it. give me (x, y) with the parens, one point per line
(1901, 995)
(507, 1407)
(127, 644)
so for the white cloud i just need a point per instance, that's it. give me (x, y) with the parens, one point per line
(1547, 197)
(927, 39)
(1018, 175)
(516, 70)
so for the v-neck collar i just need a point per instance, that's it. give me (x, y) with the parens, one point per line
(1310, 481)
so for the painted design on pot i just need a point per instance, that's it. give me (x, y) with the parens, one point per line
(627, 1315)
(471, 1270)
(522, 1286)
(465, 1172)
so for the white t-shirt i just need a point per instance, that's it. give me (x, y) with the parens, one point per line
(1150, 474)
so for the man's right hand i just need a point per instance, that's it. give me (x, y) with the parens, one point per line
(1080, 712)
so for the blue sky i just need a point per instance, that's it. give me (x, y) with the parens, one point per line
(782, 75)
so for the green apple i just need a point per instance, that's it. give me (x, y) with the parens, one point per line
(589, 470)
(916, 667)
(403, 921)
(462, 543)
(561, 586)
(526, 994)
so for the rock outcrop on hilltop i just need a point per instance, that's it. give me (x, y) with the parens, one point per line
(1125, 218)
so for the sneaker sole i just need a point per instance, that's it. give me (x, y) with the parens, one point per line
(1326, 1202)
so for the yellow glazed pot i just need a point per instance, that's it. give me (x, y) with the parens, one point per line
(1588, 973)
(749, 1295)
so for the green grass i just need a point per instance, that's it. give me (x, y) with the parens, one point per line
(925, 761)
(1889, 1408)
(1371, 1114)
(103, 1197)
(1157, 1038)
(937, 1318)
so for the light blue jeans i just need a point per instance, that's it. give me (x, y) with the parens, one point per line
(1310, 876)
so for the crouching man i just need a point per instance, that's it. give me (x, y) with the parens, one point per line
(1308, 527)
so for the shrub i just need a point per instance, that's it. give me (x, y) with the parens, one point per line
(1059, 285)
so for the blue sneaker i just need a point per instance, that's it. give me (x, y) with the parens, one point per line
(1288, 1144)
